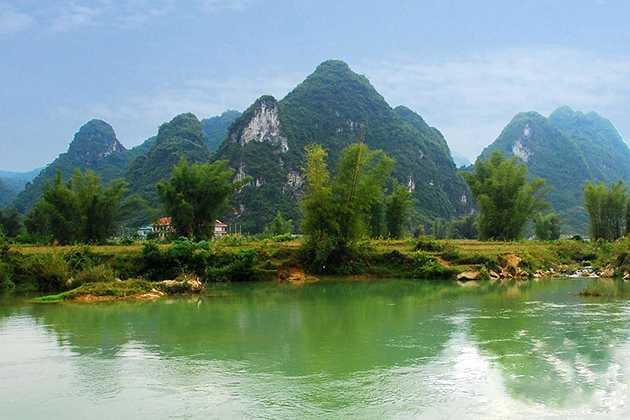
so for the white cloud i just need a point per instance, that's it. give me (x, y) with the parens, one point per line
(12, 20)
(75, 16)
(471, 98)
(240, 5)
(66, 16)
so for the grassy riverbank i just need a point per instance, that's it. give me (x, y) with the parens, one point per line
(60, 269)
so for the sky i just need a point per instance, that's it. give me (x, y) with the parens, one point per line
(467, 67)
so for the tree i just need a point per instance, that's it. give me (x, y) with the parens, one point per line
(280, 226)
(342, 206)
(466, 227)
(606, 208)
(396, 211)
(195, 196)
(11, 222)
(78, 211)
(506, 200)
(358, 185)
(338, 211)
(547, 227)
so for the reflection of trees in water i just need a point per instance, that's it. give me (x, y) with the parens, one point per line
(558, 351)
(331, 327)
(330, 345)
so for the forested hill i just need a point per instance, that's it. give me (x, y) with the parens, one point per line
(94, 147)
(607, 154)
(566, 149)
(335, 107)
(181, 137)
(216, 128)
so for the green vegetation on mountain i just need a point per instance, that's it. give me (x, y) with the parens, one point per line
(12, 183)
(254, 147)
(215, 128)
(607, 155)
(567, 149)
(550, 154)
(181, 137)
(335, 107)
(95, 147)
(7, 194)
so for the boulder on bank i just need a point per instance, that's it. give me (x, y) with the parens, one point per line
(609, 272)
(185, 283)
(468, 276)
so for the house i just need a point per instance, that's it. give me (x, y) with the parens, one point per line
(144, 231)
(220, 229)
(162, 227)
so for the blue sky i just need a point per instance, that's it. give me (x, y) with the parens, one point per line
(466, 66)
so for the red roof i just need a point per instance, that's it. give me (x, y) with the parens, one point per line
(218, 223)
(163, 221)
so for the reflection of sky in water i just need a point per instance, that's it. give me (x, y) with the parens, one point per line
(403, 356)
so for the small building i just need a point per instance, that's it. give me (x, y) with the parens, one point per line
(144, 231)
(162, 227)
(220, 229)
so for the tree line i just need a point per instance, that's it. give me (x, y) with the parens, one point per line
(360, 199)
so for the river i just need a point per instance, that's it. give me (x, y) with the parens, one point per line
(385, 349)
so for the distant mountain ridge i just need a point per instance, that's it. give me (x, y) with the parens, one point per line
(95, 146)
(12, 183)
(566, 149)
(335, 107)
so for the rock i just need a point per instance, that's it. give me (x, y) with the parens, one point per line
(626, 275)
(186, 283)
(494, 275)
(468, 276)
(609, 272)
(296, 275)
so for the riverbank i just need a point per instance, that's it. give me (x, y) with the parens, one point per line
(63, 269)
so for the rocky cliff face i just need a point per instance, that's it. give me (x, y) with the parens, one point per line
(261, 123)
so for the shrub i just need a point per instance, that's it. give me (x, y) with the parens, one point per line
(6, 284)
(241, 268)
(427, 267)
(452, 254)
(157, 265)
(325, 254)
(79, 257)
(96, 274)
(427, 244)
(286, 237)
(47, 272)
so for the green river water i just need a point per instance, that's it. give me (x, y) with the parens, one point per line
(386, 349)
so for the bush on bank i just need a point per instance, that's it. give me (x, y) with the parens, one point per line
(56, 269)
